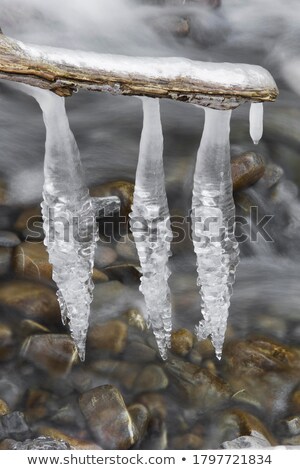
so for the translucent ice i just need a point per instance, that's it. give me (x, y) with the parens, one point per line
(256, 121)
(213, 214)
(69, 217)
(150, 225)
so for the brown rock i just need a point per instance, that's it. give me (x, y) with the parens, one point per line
(6, 342)
(139, 352)
(135, 319)
(5, 259)
(32, 260)
(36, 404)
(107, 417)
(110, 336)
(104, 255)
(187, 441)
(151, 379)
(3, 191)
(295, 400)
(140, 419)
(246, 170)
(52, 353)
(74, 442)
(291, 425)
(34, 300)
(122, 189)
(124, 372)
(155, 403)
(182, 341)
(197, 386)
(99, 276)
(4, 408)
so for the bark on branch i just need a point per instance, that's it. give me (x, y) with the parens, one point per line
(220, 86)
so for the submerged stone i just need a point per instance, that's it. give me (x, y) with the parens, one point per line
(151, 379)
(110, 336)
(181, 341)
(246, 170)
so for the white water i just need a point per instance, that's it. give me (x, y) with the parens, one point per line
(213, 214)
(150, 226)
(69, 217)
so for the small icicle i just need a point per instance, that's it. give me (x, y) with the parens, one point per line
(150, 225)
(69, 217)
(213, 225)
(256, 121)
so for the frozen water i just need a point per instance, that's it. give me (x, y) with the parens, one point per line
(69, 217)
(213, 214)
(150, 225)
(256, 117)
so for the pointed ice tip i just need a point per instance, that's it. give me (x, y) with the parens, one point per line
(256, 142)
(218, 355)
(81, 353)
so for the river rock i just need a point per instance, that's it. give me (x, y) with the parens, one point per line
(182, 341)
(53, 353)
(133, 317)
(6, 342)
(140, 419)
(4, 408)
(5, 259)
(294, 401)
(155, 403)
(124, 372)
(273, 173)
(73, 442)
(110, 337)
(39, 404)
(196, 386)
(122, 189)
(151, 379)
(255, 441)
(34, 300)
(291, 425)
(139, 352)
(40, 443)
(107, 417)
(32, 260)
(128, 274)
(14, 426)
(104, 255)
(9, 239)
(246, 169)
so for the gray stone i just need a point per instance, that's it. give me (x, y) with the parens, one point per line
(9, 239)
(14, 426)
(255, 441)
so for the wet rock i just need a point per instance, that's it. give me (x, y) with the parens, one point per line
(139, 352)
(40, 443)
(9, 239)
(134, 318)
(273, 173)
(122, 189)
(126, 273)
(3, 191)
(69, 415)
(155, 403)
(14, 426)
(151, 379)
(99, 276)
(202, 350)
(32, 260)
(157, 437)
(6, 342)
(11, 387)
(104, 256)
(126, 249)
(235, 423)
(197, 386)
(294, 401)
(73, 442)
(292, 441)
(5, 260)
(37, 404)
(34, 300)
(124, 372)
(110, 337)
(4, 408)
(52, 353)
(291, 425)
(246, 170)
(30, 224)
(107, 417)
(30, 327)
(255, 441)
(187, 441)
(140, 419)
(182, 342)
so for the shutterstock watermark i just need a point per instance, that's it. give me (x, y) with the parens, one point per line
(176, 229)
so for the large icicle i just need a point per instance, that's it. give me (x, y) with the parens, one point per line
(69, 217)
(213, 214)
(256, 117)
(150, 225)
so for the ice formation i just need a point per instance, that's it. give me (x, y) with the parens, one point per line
(213, 225)
(150, 225)
(256, 122)
(69, 217)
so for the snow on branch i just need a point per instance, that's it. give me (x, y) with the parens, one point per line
(216, 85)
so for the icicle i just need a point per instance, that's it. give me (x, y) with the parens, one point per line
(69, 217)
(213, 214)
(150, 225)
(256, 121)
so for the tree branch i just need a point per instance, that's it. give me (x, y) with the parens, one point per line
(220, 86)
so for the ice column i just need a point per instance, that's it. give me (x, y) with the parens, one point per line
(150, 225)
(213, 225)
(69, 217)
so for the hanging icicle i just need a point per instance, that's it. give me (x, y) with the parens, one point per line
(213, 214)
(256, 117)
(150, 225)
(69, 217)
